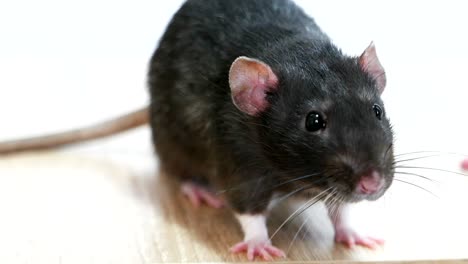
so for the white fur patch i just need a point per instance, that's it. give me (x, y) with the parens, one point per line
(253, 226)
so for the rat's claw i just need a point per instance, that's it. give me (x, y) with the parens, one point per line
(264, 254)
(350, 238)
(251, 253)
(263, 250)
(239, 247)
(198, 194)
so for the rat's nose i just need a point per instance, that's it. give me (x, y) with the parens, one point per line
(370, 183)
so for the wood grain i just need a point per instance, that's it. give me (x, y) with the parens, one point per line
(71, 208)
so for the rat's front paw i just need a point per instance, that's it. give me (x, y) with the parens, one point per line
(263, 249)
(350, 238)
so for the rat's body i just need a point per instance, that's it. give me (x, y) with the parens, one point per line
(206, 128)
(197, 130)
(252, 98)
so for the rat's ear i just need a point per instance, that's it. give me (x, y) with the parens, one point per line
(250, 80)
(370, 63)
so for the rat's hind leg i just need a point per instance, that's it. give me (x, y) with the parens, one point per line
(196, 189)
(182, 168)
(199, 193)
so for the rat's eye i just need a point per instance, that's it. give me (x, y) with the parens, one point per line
(315, 122)
(378, 111)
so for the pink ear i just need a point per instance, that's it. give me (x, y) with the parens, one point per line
(370, 63)
(250, 80)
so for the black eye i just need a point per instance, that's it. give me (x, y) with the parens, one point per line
(378, 111)
(315, 122)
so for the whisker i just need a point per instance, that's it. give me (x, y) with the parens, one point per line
(388, 149)
(417, 175)
(296, 179)
(415, 185)
(423, 157)
(334, 205)
(262, 202)
(294, 192)
(312, 201)
(297, 233)
(428, 168)
(309, 184)
(286, 196)
(275, 186)
(431, 151)
(330, 195)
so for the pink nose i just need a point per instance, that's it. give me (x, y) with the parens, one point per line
(370, 183)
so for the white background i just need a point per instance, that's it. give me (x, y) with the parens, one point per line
(67, 64)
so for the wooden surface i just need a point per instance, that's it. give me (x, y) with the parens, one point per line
(115, 207)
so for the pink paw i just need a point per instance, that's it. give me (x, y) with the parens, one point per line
(263, 250)
(350, 238)
(198, 194)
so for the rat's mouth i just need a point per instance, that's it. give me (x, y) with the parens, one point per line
(369, 190)
(356, 197)
(333, 194)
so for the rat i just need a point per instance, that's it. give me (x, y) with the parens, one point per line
(252, 99)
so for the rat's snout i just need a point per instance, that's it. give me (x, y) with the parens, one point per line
(370, 183)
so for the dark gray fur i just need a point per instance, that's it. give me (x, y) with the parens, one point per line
(199, 134)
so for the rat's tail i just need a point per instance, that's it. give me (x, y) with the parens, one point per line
(106, 128)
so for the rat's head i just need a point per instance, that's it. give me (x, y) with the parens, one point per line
(324, 123)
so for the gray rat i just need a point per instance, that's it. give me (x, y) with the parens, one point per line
(252, 98)
(248, 95)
